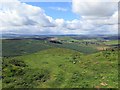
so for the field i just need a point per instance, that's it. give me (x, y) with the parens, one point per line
(60, 62)
(21, 47)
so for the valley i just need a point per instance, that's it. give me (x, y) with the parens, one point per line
(60, 62)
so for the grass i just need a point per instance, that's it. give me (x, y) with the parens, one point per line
(24, 47)
(61, 68)
(72, 64)
(111, 42)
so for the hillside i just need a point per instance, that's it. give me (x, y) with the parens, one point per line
(61, 68)
(16, 47)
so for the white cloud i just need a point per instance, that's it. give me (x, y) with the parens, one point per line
(95, 8)
(59, 9)
(17, 17)
(20, 14)
(98, 16)
(60, 22)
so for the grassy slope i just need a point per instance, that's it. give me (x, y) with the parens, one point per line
(68, 68)
(111, 42)
(23, 47)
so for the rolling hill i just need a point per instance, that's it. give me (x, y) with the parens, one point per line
(27, 46)
(61, 68)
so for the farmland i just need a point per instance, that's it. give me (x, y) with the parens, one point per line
(60, 62)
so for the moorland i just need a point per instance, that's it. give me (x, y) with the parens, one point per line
(60, 61)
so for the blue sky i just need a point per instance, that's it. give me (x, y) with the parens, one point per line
(45, 18)
(50, 9)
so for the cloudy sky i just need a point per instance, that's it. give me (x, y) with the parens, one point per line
(56, 18)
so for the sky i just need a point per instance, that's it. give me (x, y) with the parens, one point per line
(58, 18)
(57, 9)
